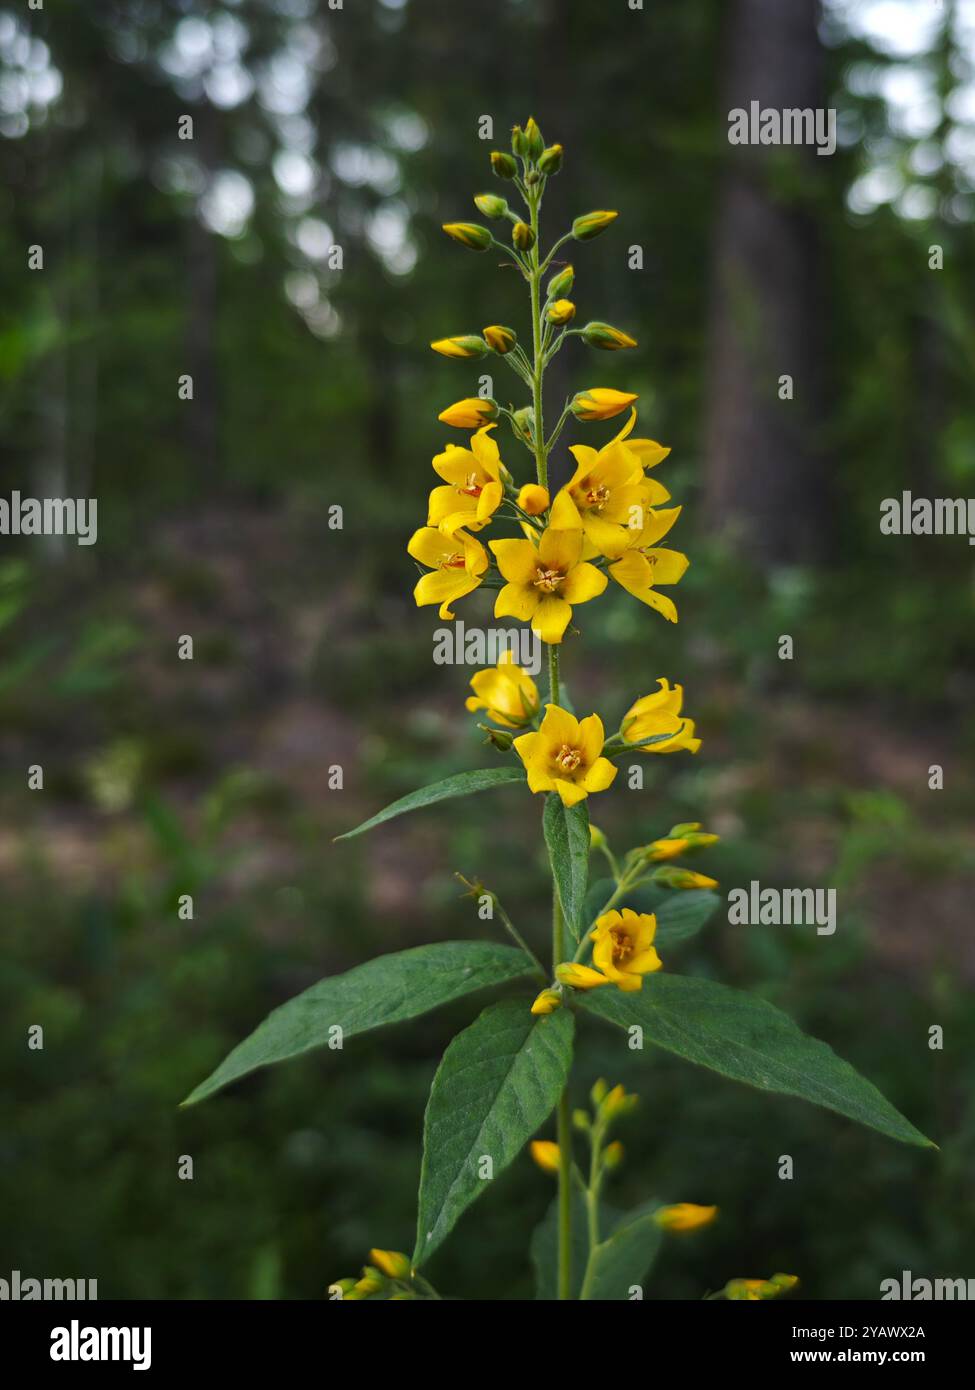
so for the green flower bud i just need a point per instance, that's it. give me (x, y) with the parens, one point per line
(603, 335)
(491, 205)
(469, 234)
(550, 161)
(561, 312)
(524, 421)
(533, 138)
(523, 236)
(590, 224)
(560, 285)
(503, 165)
(499, 338)
(466, 346)
(519, 144)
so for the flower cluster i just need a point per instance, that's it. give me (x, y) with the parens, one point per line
(608, 520)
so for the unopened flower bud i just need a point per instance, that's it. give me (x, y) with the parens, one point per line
(546, 1155)
(597, 840)
(392, 1263)
(523, 236)
(672, 877)
(613, 1155)
(581, 1121)
(499, 738)
(519, 144)
(490, 205)
(591, 224)
(605, 336)
(524, 421)
(470, 413)
(503, 165)
(684, 1216)
(600, 403)
(599, 1092)
(341, 1289)
(561, 284)
(371, 1282)
(534, 144)
(464, 347)
(533, 499)
(547, 1002)
(469, 234)
(562, 311)
(499, 338)
(550, 160)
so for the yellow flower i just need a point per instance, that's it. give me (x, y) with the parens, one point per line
(547, 1002)
(565, 756)
(457, 565)
(644, 564)
(546, 1154)
(684, 1216)
(508, 693)
(466, 346)
(659, 713)
(545, 581)
(562, 311)
(473, 489)
(665, 849)
(606, 491)
(392, 1263)
(622, 947)
(600, 403)
(470, 413)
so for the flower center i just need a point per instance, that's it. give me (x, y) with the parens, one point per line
(548, 580)
(471, 488)
(622, 946)
(568, 759)
(597, 497)
(452, 562)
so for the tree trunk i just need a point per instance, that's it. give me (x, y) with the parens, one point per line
(765, 482)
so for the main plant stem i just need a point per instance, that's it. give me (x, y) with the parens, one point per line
(563, 1122)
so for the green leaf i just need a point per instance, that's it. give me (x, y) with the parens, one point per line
(461, 784)
(385, 990)
(623, 1259)
(749, 1040)
(681, 913)
(567, 837)
(497, 1082)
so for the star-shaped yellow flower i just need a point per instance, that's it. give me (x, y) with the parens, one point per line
(472, 490)
(608, 490)
(565, 756)
(457, 564)
(660, 713)
(544, 581)
(644, 565)
(622, 953)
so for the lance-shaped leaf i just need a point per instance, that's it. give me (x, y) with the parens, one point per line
(386, 990)
(497, 1082)
(461, 784)
(749, 1040)
(567, 837)
(621, 1261)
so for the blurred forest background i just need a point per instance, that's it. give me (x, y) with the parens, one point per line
(317, 126)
